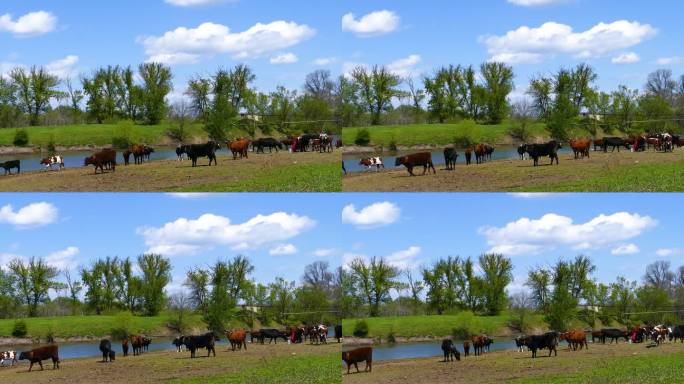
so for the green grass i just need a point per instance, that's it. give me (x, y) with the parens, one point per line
(437, 134)
(75, 326)
(666, 177)
(293, 178)
(313, 369)
(630, 369)
(437, 326)
(93, 134)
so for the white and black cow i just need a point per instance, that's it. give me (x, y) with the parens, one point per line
(10, 356)
(52, 161)
(371, 162)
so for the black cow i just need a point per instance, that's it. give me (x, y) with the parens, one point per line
(548, 340)
(195, 151)
(614, 334)
(146, 341)
(338, 333)
(549, 149)
(521, 151)
(107, 353)
(267, 142)
(615, 142)
(450, 351)
(343, 168)
(178, 342)
(271, 335)
(9, 165)
(450, 158)
(677, 333)
(207, 341)
(520, 343)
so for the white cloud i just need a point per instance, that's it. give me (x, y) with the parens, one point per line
(324, 252)
(28, 25)
(530, 236)
(283, 249)
(285, 58)
(373, 24)
(372, 216)
(194, 3)
(536, 3)
(405, 67)
(64, 68)
(625, 249)
(405, 259)
(669, 60)
(626, 58)
(532, 195)
(189, 196)
(665, 252)
(532, 45)
(323, 61)
(30, 216)
(190, 45)
(63, 259)
(188, 236)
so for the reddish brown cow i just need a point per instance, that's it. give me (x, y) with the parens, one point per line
(358, 355)
(480, 153)
(237, 338)
(576, 338)
(598, 143)
(338, 144)
(418, 159)
(468, 155)
(127, 156)
(239, 147)
(466, 348)
(478, 344)
(106, 157)
(124, 347)
(138, 152)
(37, 355)
(136, 343)
(580, 147)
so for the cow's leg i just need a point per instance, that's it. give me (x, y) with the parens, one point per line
(410, 170)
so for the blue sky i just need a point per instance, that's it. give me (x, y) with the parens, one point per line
(75, 229)
(622, 233)
(624, 41)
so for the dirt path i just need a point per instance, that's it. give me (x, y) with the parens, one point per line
(504, 175)
(157, 367)
(500, 366)
(166, 175)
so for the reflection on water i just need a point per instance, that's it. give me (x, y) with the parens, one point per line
(428, 349)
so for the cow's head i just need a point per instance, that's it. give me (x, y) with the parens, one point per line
(399, 161)
(88, 161)
(24, 355)
(112, 355)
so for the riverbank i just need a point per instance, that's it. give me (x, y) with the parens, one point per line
(622, 363)
(603, 172)
(281, 363)
(277, 172)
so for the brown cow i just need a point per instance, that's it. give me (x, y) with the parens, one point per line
(138, 152)
(417, 159)
(102, 159)
(137, 344)
(580, 147)
(480, 154)
(358, 355)
(598, 143)
(466, 348)
(237, 338)
(124, 347)
(239, 147)
(478, 344)
(37, 355)
(468, 155)
(575, 338)
(127, 156)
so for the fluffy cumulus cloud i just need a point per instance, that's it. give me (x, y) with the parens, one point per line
(28, 25)
(63, 259)
(323, 61)
(194, 3)
(532, 45)
(324, 252)
(531, 236)
(405, 259)
(625, 249)
(373, 24)
(669, 60)
(188, 236)
(666, 252)
(189, 45)
(63, 68)
(283, 249)
(285, 58)
(405, 67)
(30, 216)
(372, 216)
(626, 58)
(536, 3)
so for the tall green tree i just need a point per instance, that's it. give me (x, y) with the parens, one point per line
(376, 87)
(34, 279)
(156, 275)
(498, 84)
(36, 88)
(156, 86)
(374, 280)
(497, 274)
(197, 280)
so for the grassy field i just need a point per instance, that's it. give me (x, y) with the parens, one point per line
(267, 364)
(75, 326)
(95, 134)
(611, 172)
(277, 172)
(434, 326)
(603, 364)
(437, 134)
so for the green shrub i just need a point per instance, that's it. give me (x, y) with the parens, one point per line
(124, 328)
(361, 328)
(50, 334)
(20, 329)
(362, 137)
(51, 146)
(21, 137)
(391, 336)
(123, 137)
(393, 144)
